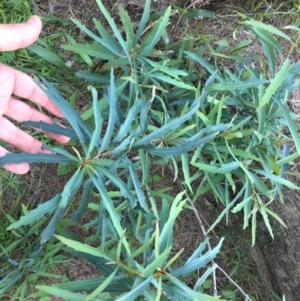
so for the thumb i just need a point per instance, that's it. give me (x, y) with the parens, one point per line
(15, 36)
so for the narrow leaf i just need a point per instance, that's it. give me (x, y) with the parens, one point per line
(81, 247)
(112, 117)
(98, 122)
(101, 287)
(275, 84)
(290, 123)
(113, 26)
(33, 158)
(51, 227)
(71, 187)
(228, 167)
(49, 56)
(65, 294)
(269, 28)
(155, 34)
(137, 291)
(143, 21)
(52, 128)
(36, 213)
(229, 86)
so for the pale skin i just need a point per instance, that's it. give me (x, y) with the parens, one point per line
(15, 83)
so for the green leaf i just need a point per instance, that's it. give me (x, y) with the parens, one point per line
(156, 263)
(179, 288)
(95, 78)
(186, 171)
(84, 56)
(127, 26)
(174, 123)
(273, 214)
(49, 56)
(202, 13)
(210, 68)
(240, 45)
(242, 204)
(113, 26)
(269, 52)
(267, 27)
(166, 233)
(17, 275)
(287, 159)
(107, 37)
(228, 167)
(118, 182)
(70, 114)
(266, 37)
(130, 117)
(94, 50)
(125, 145)
(290, 123)
(178, 133)
(155, 34)
(66, 295)
(84, 248)
(137, 186)
(98, 122)
(33, 158)
(275, 84)
(197, 263)
(191, 144)
(163, 66)
(135, 292)
(277, 179)
(71, 187)
(240, 85)
(36, 213)
(105, 43)
(142, 249)
(52, 128)
(84, 201)
(101, 287)
(108, 203)
(51, 227)
(62, 152)
(112, 114)
(143, 21)
(93, 283)
(238, 152)
(164, 78)
(265, 216)
(226, 210)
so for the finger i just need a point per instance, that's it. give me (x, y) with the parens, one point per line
(14, 136)
(15, 36)
(20, 111)
(22, 85)
(20, 168)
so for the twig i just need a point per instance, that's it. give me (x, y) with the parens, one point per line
(234, 283)
(180, 17)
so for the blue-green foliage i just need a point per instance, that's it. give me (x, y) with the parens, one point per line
(169, 108)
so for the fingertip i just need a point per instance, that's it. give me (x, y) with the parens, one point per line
(15, 36)
(34, 19)
(59, 138)
(20, 169)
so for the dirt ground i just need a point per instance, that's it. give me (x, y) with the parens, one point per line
(187, 231)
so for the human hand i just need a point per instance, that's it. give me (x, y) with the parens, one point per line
(15, 83)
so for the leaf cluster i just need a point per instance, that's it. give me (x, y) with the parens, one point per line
(162, 104)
